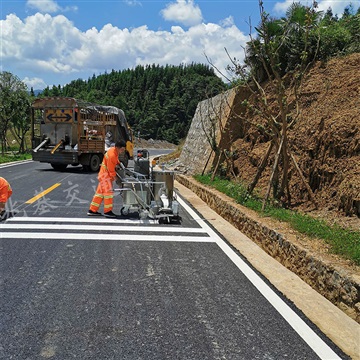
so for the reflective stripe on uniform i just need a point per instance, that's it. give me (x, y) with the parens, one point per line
(94, 204)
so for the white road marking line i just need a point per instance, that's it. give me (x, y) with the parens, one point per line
(5, 165)
(100, 219)
(7, 226)
(117, 237)
(304, 331)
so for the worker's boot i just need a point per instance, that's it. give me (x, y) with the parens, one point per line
(93, 213)
(110, 214)
(3, 215)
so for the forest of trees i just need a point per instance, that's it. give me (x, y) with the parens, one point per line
(159, 102)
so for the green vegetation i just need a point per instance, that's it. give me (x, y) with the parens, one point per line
(13, 157)
(15, 110)
(303, 35)
(342, 241)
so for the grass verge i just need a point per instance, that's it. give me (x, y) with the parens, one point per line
(16, 157)
(342, 241)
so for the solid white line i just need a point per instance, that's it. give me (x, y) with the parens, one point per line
(304, 331)
(88, 220)
(5, 165)
(117, 237)
(8, 226)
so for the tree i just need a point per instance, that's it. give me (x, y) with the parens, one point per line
(20, 123)
(351, 23)
(14, 103)
(282, 47)
(335, 38)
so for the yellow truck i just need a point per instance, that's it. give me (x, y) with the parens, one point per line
(66, 131)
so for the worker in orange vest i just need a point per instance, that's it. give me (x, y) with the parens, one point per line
(107, 175)
(5, 193)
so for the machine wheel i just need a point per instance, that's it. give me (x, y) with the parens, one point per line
(124, 158)
(124, 211)
(164, 220)
(58, 167)
(95, 162)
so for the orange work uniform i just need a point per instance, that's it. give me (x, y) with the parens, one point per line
(107, 174)
(5, 190)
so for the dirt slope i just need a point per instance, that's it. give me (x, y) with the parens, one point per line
(326, 143)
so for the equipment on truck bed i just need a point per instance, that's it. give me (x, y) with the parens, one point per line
(148, 191)
(66, 131)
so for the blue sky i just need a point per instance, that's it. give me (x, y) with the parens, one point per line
(51, 42)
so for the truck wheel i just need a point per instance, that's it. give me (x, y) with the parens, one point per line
(95, 162)
(58, 167)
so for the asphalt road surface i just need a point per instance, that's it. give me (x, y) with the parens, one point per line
(73, 286)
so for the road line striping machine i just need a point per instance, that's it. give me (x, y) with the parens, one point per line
(148, 191)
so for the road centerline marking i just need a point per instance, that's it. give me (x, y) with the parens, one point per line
(43, 193)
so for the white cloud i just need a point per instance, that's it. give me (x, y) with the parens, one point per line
(183, 12)
(48, 6)
(45, 45)
(337, 6)
(35, 83)
(133, 2)
(323, 5)
(229, 21)
(281, 7)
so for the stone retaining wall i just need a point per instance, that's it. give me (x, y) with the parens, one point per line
(335, 284)
(216, 120)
